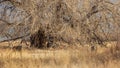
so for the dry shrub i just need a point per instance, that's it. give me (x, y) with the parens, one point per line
(41, 39)
(118, 45)
(38, 39)
(89, 25)
(71, 21)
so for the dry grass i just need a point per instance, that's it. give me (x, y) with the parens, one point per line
(72, 25)
(81, 57)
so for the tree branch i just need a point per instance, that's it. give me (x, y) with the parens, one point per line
(13, 39)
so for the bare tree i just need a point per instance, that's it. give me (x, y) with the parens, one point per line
(70, 21)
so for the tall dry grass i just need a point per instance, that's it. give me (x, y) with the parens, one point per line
(81, 57)
(69, 57)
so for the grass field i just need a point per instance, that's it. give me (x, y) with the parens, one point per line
(80, 57)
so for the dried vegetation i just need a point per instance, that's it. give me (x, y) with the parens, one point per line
(73, 30)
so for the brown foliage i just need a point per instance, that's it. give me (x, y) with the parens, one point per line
(94, 22)
(38, 39)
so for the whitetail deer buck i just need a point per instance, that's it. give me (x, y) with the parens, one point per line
(17, 48)
(20, 46)
(25, 41)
